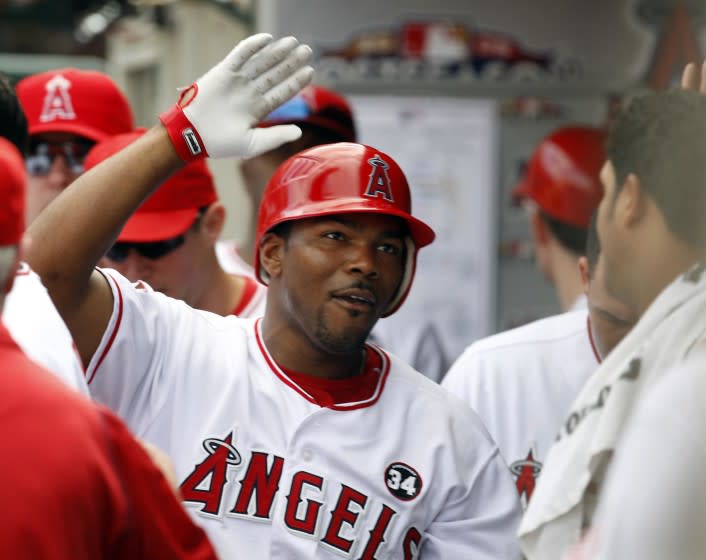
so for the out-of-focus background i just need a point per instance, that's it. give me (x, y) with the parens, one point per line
(458, 91)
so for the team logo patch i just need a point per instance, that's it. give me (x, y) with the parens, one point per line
(403, 481)
(379, 184)
(526, 472)
(57, 101)
(192, 141)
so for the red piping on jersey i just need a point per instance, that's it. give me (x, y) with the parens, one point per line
(115, 329)
(593, 342)
(343, 407)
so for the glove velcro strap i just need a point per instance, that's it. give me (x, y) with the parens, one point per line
(185, 138)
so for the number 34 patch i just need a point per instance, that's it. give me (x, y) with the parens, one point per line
(403, 481)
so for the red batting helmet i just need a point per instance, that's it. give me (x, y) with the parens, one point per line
(316, 106)
(562, 177)
(339, 179)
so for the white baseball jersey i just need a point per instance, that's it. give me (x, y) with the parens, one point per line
(521, 383)
(39, 330)
(654, 503)
(229, 258)
(410, 472)
(419, 344)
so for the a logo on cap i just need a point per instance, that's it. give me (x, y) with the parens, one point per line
(57, 101)
(379, 181)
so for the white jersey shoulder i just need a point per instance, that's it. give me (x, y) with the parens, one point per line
(229, 258)
(521, 383)
(39, 330)
(257, 299)
(408, 472)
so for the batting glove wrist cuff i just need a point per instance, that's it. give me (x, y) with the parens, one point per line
(185, 138)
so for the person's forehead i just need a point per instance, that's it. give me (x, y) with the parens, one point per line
(361, 219)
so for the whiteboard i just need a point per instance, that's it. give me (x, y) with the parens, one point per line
(447, 148)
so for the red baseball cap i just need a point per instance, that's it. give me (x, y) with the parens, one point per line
(173, 207)
(317, 106)
(82, 102)
(12, 194)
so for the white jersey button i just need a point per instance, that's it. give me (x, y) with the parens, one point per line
(307, 454)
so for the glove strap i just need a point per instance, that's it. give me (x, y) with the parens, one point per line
(185, 138)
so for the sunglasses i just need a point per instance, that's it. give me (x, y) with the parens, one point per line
(153, 251)
(42, 154)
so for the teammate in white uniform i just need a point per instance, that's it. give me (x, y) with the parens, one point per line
(291, 436)
(29, 313)
(169, 242)
(39, 330)
(521, 382)
(561, 190)
(650, 223)
(654, 503)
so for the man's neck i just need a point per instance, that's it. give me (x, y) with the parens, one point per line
(658, 270)
(567, 279)
(293, 351)
(221, 292)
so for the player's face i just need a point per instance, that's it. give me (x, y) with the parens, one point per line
(613, 249)
(54, 161)
(611, 319)
(339, 274)
(178, 273)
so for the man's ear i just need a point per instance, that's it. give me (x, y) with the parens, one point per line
(585, 276)
(631, 202)
(213, 220)
(271, 254)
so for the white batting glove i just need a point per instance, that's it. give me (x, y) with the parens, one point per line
(216, 116)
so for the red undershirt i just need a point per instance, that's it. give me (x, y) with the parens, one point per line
(328, 392)
(248, 292)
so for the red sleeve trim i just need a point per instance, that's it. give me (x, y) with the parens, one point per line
(115, 328)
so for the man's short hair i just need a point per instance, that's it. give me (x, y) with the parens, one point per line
(570, 237)
(13, 123)
(661, 138)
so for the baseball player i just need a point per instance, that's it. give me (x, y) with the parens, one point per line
(274, 425)
(169, 242)
(561, 190)
(68, 110)
(325, 117)
(29, 313)
(79, 485)
(521, 382)
(650, 225)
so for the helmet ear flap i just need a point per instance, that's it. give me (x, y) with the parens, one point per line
(408, 271)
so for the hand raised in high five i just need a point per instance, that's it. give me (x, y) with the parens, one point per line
(217, 115)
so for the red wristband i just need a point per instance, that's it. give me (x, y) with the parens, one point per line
(185, 138)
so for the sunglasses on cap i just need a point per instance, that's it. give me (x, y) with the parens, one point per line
(42, 154)
(152, 250)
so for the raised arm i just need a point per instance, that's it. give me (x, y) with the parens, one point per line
(214, 117)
